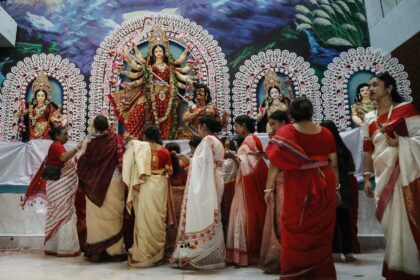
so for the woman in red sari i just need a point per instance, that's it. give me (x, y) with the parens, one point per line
(306, 153)
(247, 213)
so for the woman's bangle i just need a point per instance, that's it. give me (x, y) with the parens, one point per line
(367, 173)
(338, 187)
(268, 190)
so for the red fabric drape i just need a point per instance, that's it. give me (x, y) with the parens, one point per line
(253, 186)
(97, 165)
(308, 218)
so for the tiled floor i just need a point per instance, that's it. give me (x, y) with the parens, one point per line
(32, 264)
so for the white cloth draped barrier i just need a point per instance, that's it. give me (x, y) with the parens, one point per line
(18, 161)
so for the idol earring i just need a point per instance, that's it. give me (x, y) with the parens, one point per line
(35, 102)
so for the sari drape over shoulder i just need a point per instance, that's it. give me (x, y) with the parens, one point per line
(308, 210)
(96, 165)
(397, 193)
(200, 242)
(99, 170)
(247, 212)
(145, 172)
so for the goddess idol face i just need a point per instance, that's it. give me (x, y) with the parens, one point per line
(275, 93)
(40, 97)
(158, 53)
(364, 91)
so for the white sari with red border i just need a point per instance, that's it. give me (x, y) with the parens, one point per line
(397, 171)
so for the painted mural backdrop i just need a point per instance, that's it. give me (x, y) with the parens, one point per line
(317, 30)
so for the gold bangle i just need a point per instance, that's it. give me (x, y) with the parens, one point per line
(268, 190)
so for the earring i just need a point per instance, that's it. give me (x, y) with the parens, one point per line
(35, 102)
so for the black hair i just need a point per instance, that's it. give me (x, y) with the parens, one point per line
(100, 123)
(358, 96)
(344, 157)
(194, 141)
(232, 143)
(153, 58)
(197, 87)
(174, 149)
(211, 123)
(301, 109)
(55, 131)
(390, 81)
(280, 116)
(239, 140)
(152, 134)
(247, 121)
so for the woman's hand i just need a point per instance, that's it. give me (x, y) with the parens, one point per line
(269, 197)
(230, 154)
(183, 158)
(392, 142)
(368, 189)
(339, 200)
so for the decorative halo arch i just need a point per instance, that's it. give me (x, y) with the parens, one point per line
(305, 82)
(212, 62)
(335, 82)
(21, 77)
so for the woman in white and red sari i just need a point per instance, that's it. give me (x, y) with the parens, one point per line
(200, 242)
(247, 212)
(392, 149)
(60, 228)
(306, 153)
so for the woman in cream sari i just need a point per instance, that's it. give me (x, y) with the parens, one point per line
(146, 167)
(200, 243)
(99, 170)
(392, 148)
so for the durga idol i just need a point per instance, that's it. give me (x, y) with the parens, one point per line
(152, 95)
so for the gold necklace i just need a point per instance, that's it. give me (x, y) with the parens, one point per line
(39, 110)
(161, 66)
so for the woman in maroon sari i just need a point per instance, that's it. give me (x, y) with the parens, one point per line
(177, 182)
(247, 213)
(306, 153)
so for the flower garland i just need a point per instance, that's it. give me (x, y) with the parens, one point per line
(172, 104)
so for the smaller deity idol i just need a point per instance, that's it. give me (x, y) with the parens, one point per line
(202, 99)
(274, 100)
(362, 104)
(37, 117)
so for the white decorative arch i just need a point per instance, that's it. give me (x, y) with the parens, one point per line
(24, 73)
(212, 62)
(334, 89)
(305, 82)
